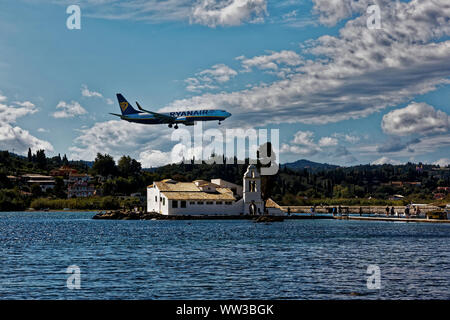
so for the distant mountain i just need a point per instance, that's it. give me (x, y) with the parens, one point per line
(310, 165)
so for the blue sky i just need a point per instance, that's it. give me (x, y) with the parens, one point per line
(337, 91)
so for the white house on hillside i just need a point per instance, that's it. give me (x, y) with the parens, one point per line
(218, 197)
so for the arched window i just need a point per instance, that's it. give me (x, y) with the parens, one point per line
(252, 186)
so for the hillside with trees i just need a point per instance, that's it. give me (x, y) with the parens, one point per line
(115, 181)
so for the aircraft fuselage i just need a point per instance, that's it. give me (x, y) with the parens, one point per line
(188, 117)
(179, 116)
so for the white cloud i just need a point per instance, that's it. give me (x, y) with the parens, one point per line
(26, 104)
(9, 114)
(154, 158)
(209, 78)
(396, 144)
(211, 13)
(289, 15)
(432, 143)
(214, 13)
(19, 140)
(350, 138)
(219, 72)
(85, 92)
(303, 150)
(152, 11)
(3, 98)
(444, 162)
(416, 118)
(272, 61)
(13, 137)
(43, 130)
(195, 85)
(117, 138)
(355, 74)
(385, 160)
(341, 152)
(304, 138)
(328, 142)
(152, 145)
(303, 144)
(418, 146)
(68, 110)
(332, 11)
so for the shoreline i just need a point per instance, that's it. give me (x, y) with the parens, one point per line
(61, 210)
(320, 209)
(393, 219)
(131, 215)
(136, 215)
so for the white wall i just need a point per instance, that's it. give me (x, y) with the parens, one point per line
(236, 208)
(226, 184)
(206, 209)
(161, 203)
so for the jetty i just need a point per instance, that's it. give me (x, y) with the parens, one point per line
(355, 209)
(390, 219)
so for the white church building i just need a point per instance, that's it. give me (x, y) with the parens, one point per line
(218, 197)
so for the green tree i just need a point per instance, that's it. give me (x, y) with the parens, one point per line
(109, 188)
(41, 159)
(65, 162)
(104, 165)
(4, 181)
(128, 166)
(36, 190)
(60, 189)
(4, 158)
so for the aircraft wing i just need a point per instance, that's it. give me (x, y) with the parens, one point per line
(157, 115)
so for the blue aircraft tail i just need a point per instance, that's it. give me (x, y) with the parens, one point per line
(125, 106)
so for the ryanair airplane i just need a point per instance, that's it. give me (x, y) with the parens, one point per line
(172, 118)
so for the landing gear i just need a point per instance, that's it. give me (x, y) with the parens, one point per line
(220, 123)
(176, 126)
(170, 125)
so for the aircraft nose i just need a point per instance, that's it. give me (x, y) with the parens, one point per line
(228, 114)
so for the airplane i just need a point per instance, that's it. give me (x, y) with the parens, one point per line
(171, 118)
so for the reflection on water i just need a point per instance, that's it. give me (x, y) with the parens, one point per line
(302, 259)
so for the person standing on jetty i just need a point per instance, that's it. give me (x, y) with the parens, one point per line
(334, 211)
(387, 211)
(392, 211)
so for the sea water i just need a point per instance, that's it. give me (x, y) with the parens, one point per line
(232, 259)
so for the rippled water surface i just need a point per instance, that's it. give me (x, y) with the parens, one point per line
(302, 259)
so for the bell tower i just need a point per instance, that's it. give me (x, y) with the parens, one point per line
(253, 203)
